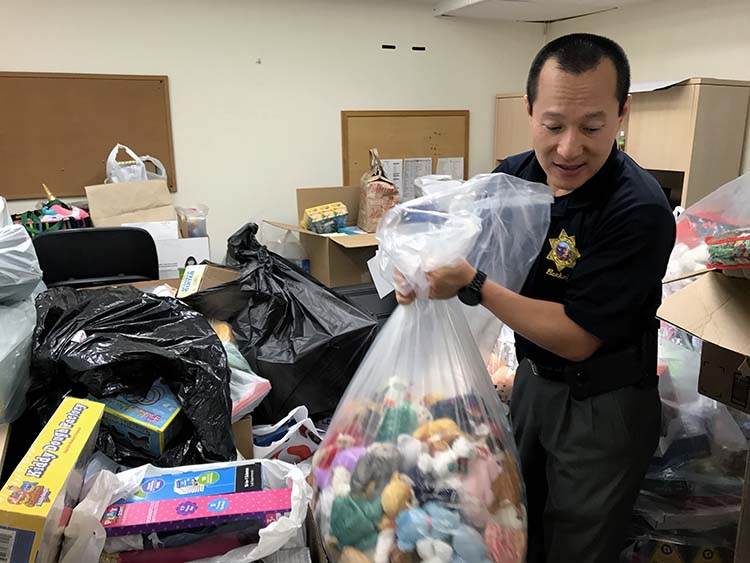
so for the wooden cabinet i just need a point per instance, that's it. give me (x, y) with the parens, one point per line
(690, 134)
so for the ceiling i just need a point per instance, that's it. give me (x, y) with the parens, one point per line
(526, 10)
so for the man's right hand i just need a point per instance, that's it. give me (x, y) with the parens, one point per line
(402, 298)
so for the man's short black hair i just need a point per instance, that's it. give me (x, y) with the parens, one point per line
(578, 53)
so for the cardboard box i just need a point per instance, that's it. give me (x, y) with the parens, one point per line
(176, 254)
(204, 276)
(335, 260)
(36, 502)
(111, 205)
(146, 423)
(242, 433)
(716, 308)
(194, 510)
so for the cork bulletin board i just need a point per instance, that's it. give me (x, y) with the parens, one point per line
(402, 135)
(58, 129)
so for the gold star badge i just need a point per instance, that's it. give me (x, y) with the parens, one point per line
(564, 253)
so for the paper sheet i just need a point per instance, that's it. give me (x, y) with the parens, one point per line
(413, 169)
(393, 169)
(453, 167)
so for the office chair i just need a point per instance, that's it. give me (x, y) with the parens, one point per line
(96, 256)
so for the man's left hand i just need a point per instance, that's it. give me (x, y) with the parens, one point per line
(446, 281)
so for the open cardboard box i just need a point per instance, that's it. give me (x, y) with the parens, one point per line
(335, 260)
(716, 309)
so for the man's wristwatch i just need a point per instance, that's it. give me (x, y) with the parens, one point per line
(472, 294)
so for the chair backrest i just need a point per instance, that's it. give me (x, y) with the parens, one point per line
(96, 256)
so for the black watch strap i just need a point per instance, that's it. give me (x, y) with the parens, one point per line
(472, 294)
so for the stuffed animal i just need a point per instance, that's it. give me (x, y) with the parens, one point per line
(439, 434)
(410, 448)
(385, 544)
(469, 545)
(374, 470)
(341, 482)
(352, 555)
(397, 496)
(431, 550)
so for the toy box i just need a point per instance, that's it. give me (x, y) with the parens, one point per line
(146, 423)
(194, 511)
(36, 502)
(326, 218)
(227, 480)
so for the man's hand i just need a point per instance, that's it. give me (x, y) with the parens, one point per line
(444, 282)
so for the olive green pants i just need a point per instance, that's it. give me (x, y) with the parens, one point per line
(583, 463)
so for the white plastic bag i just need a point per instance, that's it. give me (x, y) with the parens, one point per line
(419, 443)
(85, 536)
(159, 173)
(17, 321)
(19, 268)
(293, 439)
(127, 171)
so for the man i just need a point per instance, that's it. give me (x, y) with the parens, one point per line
(585, 407)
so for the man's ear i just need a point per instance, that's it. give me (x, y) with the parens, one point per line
(528, 105)
(625, 108)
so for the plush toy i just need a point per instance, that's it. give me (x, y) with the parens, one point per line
(385, 544)
(374, 470)
(504, 545)
(426, 488)
(507, 485)
(341, 482)
(410, 448)
(434, 551)
(323, 457)
(398, 556)
(348, 458)
(353, 522)
(443, 520)
(352, 555)
(433, 521)
(411, 526)
(439, 434)
(397, 496)
(469, 545)
(482, 472)
(397, 420)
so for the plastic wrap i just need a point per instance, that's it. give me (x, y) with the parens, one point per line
(419, 462)
(716, 216)
(109, 341)
(19, 267)
(17, 322)
(293, 331)
(692, 492)
(85, 536)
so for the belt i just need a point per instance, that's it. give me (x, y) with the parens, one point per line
(602, 374)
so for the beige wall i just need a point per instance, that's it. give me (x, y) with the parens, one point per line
(247, 134)
(671, 39)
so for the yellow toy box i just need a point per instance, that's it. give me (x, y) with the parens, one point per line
(36, 502)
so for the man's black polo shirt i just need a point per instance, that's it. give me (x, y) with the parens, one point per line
(605, 255)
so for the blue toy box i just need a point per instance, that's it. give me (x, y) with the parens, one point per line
(145, 423)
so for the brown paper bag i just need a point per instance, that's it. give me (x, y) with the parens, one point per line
(377, 195)
(111, 205)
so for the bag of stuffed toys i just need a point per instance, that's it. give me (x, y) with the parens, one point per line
(419, 463)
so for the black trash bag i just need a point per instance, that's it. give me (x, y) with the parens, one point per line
(292, 330)
(109, 341)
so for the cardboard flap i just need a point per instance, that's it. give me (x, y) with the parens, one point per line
(355, 241)
(288, 227)
(715, 308)
(130, 202)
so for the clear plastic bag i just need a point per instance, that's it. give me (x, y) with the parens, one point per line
(715, 216)
(133, 170)
(17, 321)
(19, 267)
(692, 492)
(418, 461)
